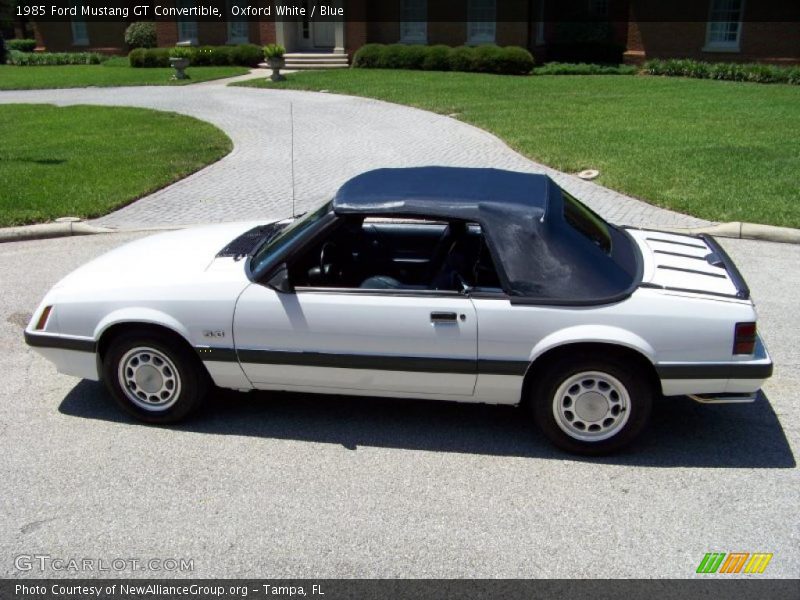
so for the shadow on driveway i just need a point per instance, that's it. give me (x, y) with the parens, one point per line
(682, 432)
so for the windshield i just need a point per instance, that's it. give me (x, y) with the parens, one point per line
(286, 237)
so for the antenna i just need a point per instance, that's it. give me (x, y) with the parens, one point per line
(291, 124)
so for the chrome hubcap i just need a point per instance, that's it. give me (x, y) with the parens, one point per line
(149, 379)
(591, 406)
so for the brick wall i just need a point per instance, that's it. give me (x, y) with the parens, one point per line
(103, 37)
(167, 32)
(759, 42)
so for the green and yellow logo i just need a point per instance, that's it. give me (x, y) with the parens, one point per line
(736, 562)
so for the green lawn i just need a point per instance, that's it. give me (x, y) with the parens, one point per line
(86, 161)
(115, 72)
(722, 151)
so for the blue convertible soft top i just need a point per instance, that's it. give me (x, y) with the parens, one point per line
(445, 191)
(540, 255)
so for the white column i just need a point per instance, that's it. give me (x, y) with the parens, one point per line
(338, 47)
(280, 35)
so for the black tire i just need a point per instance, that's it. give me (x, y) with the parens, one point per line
(581, 394)
(170, 362)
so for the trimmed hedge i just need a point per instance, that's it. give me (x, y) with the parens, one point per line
(556, 68)
(149, 57)
(509, 60)
(21, 45)
(247, 55)
(49, 59)
(141, 34)
(756, 73)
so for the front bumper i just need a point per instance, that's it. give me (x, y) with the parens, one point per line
(71, 355)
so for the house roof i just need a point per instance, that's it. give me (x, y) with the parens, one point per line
(459, 193)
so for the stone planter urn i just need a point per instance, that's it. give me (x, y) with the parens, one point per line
(179, 64)
(276, 64)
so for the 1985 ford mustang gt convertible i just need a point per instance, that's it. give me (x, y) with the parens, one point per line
(473, 285)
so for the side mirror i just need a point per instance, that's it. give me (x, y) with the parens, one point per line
(279, 280)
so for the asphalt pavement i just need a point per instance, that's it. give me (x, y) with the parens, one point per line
(285, 485)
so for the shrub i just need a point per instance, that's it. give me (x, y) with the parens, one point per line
(511, 60)
(369, 56)
(182, 52)
(273, 51)
(514, 60)
(211, 56)
(437, 58)
(2, 49)
(555, 68)
(141, 34)
(247, 55)
(398, 56)
(486, 59)
(401, 56)
(414, 56)
(37, 59)
(21, 45)
(462, 59)
(149, 57)
(756, 73)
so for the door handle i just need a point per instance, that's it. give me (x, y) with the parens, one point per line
(443, 317)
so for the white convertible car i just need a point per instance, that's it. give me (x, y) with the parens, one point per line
(470, 285)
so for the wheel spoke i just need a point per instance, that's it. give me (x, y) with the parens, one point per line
(149, 379)
(591, 406)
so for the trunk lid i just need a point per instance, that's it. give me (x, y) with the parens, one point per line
(688, 263)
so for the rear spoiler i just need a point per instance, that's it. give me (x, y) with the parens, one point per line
(719, 257)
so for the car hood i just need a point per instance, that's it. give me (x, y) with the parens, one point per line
(169, 258)
(687, 263)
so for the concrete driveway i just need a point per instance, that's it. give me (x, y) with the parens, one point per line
(280, 485)
(335, 138)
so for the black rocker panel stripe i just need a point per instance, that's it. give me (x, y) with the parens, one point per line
(418, 364)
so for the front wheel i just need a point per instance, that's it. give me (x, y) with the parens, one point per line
(591, 406)
(154, 378)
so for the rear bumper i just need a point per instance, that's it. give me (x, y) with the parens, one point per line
(719, 382)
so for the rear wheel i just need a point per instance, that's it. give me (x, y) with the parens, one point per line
(154, 378)
(591, 406)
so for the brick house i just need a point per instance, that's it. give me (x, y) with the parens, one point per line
(600, 30)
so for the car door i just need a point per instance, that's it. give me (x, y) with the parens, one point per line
(357, 341)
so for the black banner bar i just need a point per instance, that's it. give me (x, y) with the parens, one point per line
(713, 588)
(504, 11)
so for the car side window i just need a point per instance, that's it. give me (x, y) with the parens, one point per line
(403, 255)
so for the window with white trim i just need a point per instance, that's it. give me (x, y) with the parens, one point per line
(414, 21)
(481, 25)
(187, 28)
(724, 25)
(80, 33)
(238, 27)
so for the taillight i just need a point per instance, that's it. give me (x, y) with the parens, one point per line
(744, 338)
(40, 324)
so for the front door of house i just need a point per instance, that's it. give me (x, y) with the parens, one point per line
(324, 34)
